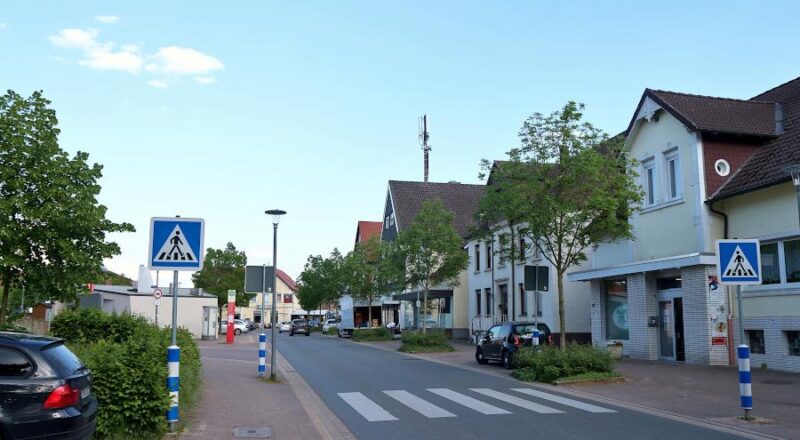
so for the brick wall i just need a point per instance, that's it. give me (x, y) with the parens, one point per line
(776, 348)
(597, 314)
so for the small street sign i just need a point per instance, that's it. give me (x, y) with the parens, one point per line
(739, 261)
(90, 286)
(257, 278)
(157, 302)
(232, 296)
(157, 294)
(176, 243)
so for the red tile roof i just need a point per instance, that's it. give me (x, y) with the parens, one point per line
(367, 230)
(287, 280)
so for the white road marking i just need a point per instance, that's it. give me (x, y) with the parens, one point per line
(419, 405)
(535, 407)
(564, 401)
(469, 402)
(367, 408)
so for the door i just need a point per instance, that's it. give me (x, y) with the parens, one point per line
(666, 330)
(490, 347)
(680, 350)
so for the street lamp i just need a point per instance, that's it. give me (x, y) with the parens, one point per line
(276, 217)
(794, 171)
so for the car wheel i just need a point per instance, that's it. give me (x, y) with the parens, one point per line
(507, 360)
(291, 333)
(480, 358)
(237, 332)
(339, 333)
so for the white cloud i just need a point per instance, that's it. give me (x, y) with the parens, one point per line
(211, 79)
(183, 61)
(97, 55)
(157, 83)
(106, 19)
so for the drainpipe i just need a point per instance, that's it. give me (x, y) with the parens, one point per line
(492, 286)
(731, 351)
(513, 289)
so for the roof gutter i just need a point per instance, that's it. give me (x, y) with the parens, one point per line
(724, 216)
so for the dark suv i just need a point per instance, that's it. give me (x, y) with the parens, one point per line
(502, 340)
(299, 326)
(45, 390)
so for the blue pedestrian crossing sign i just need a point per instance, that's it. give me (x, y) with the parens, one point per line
(739, 261)
(176, 243)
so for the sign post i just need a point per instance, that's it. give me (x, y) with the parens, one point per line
(231, 312)
(176, 244)
(157, 294)
(537, 279)
(255, 281)
(739, 263)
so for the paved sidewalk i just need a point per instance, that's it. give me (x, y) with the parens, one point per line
(706, 394)
(233, 396)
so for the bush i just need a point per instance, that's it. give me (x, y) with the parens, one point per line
(433, 340)
(333, 331)
(372, 334)
(129, 370)
(551, 363)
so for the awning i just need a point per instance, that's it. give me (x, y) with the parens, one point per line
(676, 262)
(433, 294)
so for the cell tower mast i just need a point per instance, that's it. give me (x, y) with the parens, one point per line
(423, 138)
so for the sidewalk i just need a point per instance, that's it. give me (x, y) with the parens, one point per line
(699, 393)
(233, 396)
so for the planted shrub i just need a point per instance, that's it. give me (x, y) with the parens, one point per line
(372, 334)
(551, 363)
(333, 331)
(433, 340)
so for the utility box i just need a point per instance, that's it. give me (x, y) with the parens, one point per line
(210, 319)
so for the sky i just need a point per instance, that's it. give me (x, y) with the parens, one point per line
(221, 110)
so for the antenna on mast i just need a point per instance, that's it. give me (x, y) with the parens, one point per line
(423, 138)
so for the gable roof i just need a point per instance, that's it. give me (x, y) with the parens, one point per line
(462, 199)
(766, 167)
(714, 114)
(287, 280)
(367, 230)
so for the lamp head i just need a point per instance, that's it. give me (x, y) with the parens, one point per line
(276, 214)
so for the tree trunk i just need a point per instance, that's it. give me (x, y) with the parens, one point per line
(4, 303)
(369, 312)
(425, 305)
(562, 324)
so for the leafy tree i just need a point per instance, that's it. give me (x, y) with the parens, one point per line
(53, 230)
(321, 281)
(223, 270)
(567, 186)
(372, 270)
(431, 250)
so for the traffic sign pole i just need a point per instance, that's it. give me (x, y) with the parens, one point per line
(173, 359)
(231, 312)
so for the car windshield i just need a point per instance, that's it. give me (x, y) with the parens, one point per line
(524, 330)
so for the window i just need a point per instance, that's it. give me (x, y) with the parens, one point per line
(287, 298)
(770, 270)
(793, 338)
(494, 332)
(478, 301)
(616, 310)
(668, 283)
(503, 238)
(477, 257)
(488, 255)
(536, 253)
(649, 183)
(673, 164)
(13, 363)
(791, 258)
(521, 249)
(755, 339)
(523, 306)
(488, 294)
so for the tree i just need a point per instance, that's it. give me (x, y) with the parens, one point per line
(321, 280)
(53, 230)
(371, 271)
(567, 186)
(223, 270)
(431, 250)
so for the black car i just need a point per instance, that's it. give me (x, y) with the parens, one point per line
(45, 390)
(299, 326)
(502, 340)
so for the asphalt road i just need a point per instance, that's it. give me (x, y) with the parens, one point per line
(379, 394)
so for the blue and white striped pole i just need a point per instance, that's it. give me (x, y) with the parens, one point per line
(173, 383)
(535, 337)
(262, 354)
(745, 388)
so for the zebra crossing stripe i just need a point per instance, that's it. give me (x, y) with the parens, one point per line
(564, 401)
(469, 402)
(522, 403)
(366, 407)
(421, 406)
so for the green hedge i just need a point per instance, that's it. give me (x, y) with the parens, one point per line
(372, 334)
(127, 357)
(551, 363)
(431, 341)
(332, 331)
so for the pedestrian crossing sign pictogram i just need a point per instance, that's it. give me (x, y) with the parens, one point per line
(739, 261)
(176, 243)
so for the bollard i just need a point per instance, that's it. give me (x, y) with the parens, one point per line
(535, 339)
(745, 389)
(173, 383)
(262, 354)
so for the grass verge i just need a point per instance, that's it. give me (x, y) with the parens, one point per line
(414, 348)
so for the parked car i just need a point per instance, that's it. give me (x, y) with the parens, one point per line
(329, 324)
(502, 340)
(45, 390)
(285, 326)
(251, 325)
(300, 326)
(239, 327)
(314, 322)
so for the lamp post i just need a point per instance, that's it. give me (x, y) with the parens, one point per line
(276, 216)
(794, 171)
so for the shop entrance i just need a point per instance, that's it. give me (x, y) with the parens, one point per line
(670, 326)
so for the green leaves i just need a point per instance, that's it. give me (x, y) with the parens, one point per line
(322, 280)
(223, 270)
(53, 229)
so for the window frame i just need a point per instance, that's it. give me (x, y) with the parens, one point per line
(523, 309)
(753, 347)
(606, 295)
(478, 302)
(487, 291)
(33, 366)
(649, 182)
(673, 174)
(488, 255)
(522, 246)
(477, 256)
(788, 342)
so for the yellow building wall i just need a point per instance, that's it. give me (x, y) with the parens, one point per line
(760, 213)
(461, 302)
